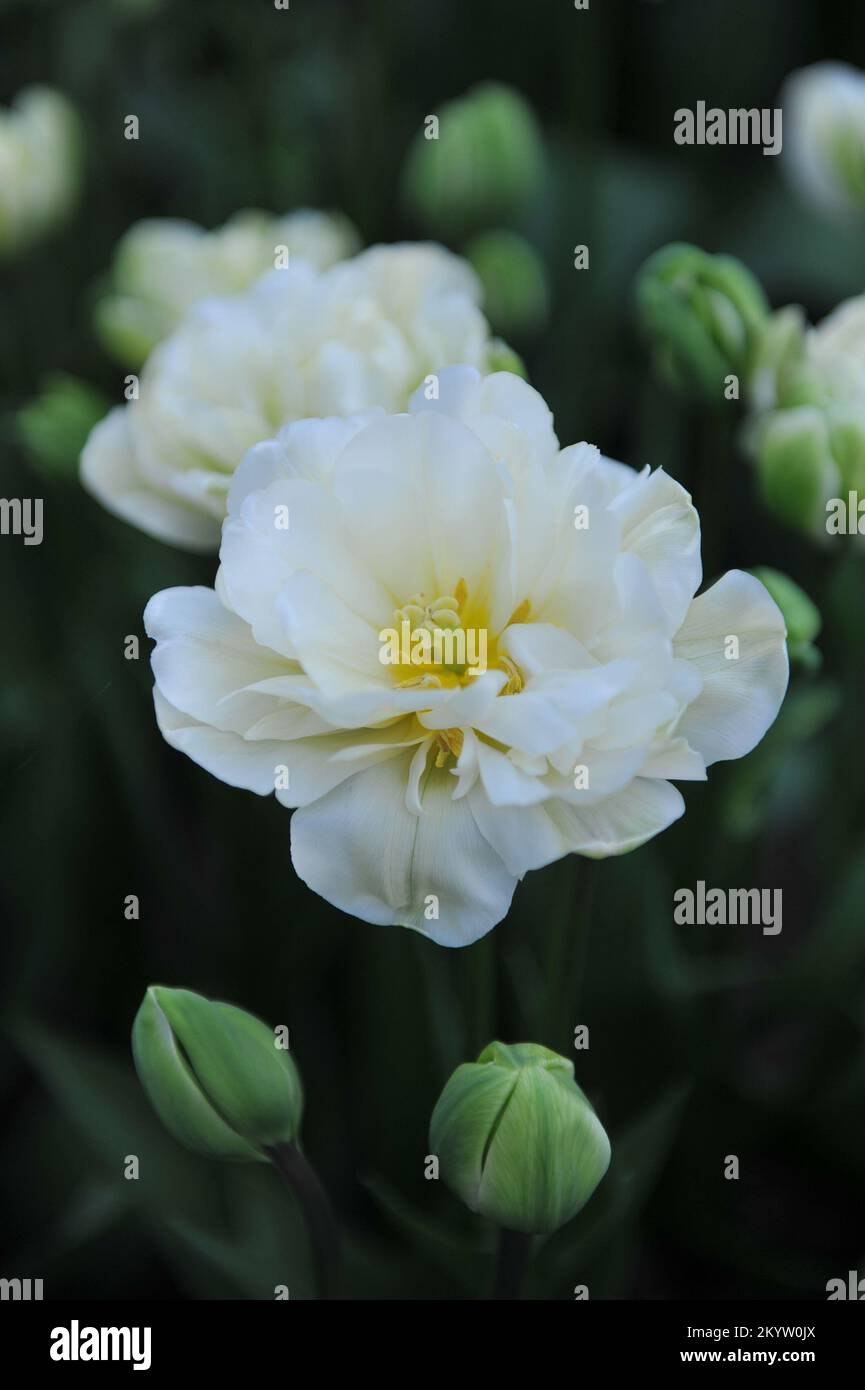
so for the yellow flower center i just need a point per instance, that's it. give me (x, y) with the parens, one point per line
(432, 645)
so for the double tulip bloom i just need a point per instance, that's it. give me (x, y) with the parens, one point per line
(163, 266)
(299, 343)
(421, 797)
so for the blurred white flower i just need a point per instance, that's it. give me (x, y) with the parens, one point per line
(824, 135)
(40, 165)
(364, 333)
(424, 793)
(835, 352)
(163, 266)
(808, 431)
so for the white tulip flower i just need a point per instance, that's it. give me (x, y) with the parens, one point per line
(164, 265)
(808, 431)
(39, 165)
(299, 343)
(423, 793)
(824, 144)
(835, 352)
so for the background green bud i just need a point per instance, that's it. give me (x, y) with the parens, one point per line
(779, 357)
(516, 1138)
(502, 358)
(514, 281)
(795, 466)
(129, 328)
(703, 317)
(54, 426)
(847, 442)
(486, 164)
(214, 1075)
(801, 616)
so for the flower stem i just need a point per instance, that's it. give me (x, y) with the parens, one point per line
(566, 966)
(511, 1263)
(317, 1213)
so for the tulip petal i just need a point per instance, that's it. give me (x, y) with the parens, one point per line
(528, 837)
(365, 852)
(741, 696)
(110, 472)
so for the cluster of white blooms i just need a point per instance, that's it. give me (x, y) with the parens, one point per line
(165, 265)
(299, 343)
(422, 796)
(343, 437)
(39, 165)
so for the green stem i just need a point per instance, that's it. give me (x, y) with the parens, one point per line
(511, 1263)
(317, 1213)
(569, 955)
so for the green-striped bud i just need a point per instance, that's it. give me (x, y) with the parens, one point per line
(215, 1075)
(795, 466)
(703, 316)
(801, 616)
(502, 358)
(55, 425)
(514, 281)
(478, 161)
(780, 376)
(516, 1138)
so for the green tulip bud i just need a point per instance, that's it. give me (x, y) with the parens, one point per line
(801, 616)
(516, 1138)
(514, 281)
(55, 425)
(502, 358)
(847, 442)
(215, 1076)
(703, 316)
(483, 165)
(796, 468)
(779, 362)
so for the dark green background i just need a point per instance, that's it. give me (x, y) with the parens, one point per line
(704, 1041)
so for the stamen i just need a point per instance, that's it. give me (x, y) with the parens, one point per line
(515, 676)
(450, 743)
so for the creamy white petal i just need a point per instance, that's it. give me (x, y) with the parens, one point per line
(741, 693)
(425, 507)
(365, 852)
(294, 526)
(661, 526)
(252, 766)
(494, 407)
(206, 660)
(528, 837)
(302, 449)
(109, 470)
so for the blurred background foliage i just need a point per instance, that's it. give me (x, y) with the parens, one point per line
(704, 1041)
